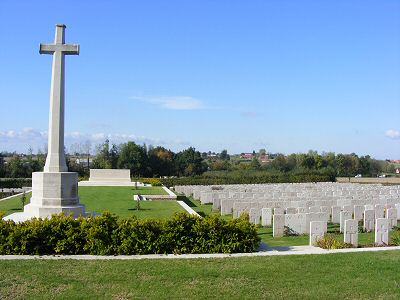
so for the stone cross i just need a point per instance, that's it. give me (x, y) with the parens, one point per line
(55, 161)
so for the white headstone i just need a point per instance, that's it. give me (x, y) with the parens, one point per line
(302, 210)
(348, 208)
(317, 231)
(358, 212)
(266, 216)
(314, 209)
(325, 209)
(382, 231)
(291, 210)
(379, 211)
(254, 216)
(336, 214)
(398, 211)
(278, 226)
(344, 215)
(369, 220)
(351, 232)
(391, 215)
(369, 207)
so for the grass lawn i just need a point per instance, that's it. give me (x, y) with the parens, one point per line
(14, 204)
(331, 276)
(118, 200)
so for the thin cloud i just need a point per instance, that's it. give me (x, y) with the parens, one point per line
(393, 134)
(250, 114)
(173, 102)
(19, 141)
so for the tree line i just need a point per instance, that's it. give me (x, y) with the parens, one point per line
(149, 161)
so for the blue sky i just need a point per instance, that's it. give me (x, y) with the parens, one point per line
(287, 76)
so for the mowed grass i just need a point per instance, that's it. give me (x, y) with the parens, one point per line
(117, 200)
(13, 205)
(331, 276)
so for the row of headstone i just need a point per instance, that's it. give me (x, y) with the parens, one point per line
(225, 197)
(318, 230)
(296, 219)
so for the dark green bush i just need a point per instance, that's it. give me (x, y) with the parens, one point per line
(15, 182)
(244, 178)
(108, 235)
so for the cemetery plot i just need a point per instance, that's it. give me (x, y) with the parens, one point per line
(288, 210)
(118, 200)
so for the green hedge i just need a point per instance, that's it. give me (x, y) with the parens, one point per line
(108, 235)
(282, 178)
(15, 182)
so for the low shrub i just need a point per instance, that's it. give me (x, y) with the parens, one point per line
(152, 181)
(15, 182)
(329, 242)
(109, 235)
(395, 238)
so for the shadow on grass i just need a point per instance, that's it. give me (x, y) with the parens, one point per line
(142, 209)
(186, 200)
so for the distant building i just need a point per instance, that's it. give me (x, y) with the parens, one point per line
(248, 156)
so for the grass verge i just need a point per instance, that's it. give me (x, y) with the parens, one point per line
(331, 276)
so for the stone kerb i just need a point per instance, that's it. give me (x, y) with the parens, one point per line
(110, 175)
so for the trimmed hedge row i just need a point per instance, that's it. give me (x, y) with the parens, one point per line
(282, 178)
(15, 182)
(108, 235)
(152, 181)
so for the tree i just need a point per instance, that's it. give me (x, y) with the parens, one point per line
(2, 166)
(133, 157)
(255, 164)
(161, 161)
(224, 155)
(106, 158)
(16, 168)
(189, 162)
